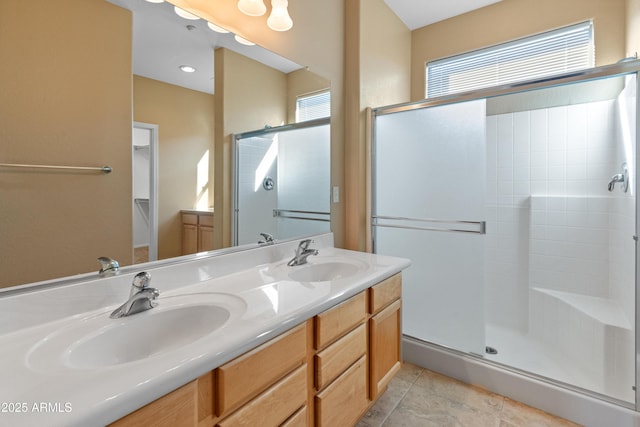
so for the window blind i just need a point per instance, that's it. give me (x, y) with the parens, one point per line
(554, 52)
(315, 106)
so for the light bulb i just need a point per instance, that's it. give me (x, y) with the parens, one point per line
(243, 40)
(217, 29)
(184, 14)
(279, 19)
(252, 7)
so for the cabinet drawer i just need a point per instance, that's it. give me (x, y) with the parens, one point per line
(344, 400)
(176, 409)
(339, 320)
(385, 293)
(248, 375)
(206, 220)
(275, 405)
(189, 218)
(336, 358)
(299, 419)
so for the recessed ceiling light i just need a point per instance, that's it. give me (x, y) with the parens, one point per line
(155, 1)
(187, 68)
(184, 14)
(217, 29)
(243, 41)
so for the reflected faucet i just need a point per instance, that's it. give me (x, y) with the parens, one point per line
(109, 267)
(141, 297)
(268, 239)
(622, 178)
(302, 253)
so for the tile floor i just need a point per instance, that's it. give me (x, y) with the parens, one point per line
(417, 397)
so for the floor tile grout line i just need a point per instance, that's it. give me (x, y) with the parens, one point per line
(411, 385)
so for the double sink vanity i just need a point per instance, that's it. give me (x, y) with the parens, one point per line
(231, 339)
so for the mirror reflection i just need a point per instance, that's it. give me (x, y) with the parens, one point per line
(69, 99)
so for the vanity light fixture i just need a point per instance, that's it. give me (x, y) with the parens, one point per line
(279, 19)
(187, 68)
(184, 14)
(252, 7)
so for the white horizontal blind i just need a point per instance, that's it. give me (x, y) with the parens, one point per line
(315, 106)
(554, 52)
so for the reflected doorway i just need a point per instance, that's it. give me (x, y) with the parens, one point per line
(145, 192)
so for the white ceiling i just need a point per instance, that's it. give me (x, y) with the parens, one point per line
(162, 42)
(419, 13)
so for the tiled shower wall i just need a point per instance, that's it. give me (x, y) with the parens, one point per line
(560, 238)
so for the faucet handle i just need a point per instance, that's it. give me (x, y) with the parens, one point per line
(268, 238)
(141, 280)
(109, 266)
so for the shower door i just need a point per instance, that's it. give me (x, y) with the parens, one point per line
(428, 206)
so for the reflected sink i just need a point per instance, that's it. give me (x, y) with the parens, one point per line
(326, 270)
(99, 342)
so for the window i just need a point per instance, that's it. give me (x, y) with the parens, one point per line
(314, 106)
(554, 52)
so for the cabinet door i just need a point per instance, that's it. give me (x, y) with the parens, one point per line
(189, 239)
(205, 238)
(384, 348)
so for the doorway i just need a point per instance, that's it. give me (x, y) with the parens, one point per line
(145, 192)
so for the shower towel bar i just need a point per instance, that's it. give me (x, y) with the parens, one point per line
(282, 213)
(103, 169)
(482, 225)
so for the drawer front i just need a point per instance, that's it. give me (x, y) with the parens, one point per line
(335, 359)
(250, 374)
(205, 219)
(299, 419)
(189, 218)
(275, 406)
(384, 293)
(344, 400)
(339, 320)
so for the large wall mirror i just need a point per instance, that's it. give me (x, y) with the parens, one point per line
(91, 83)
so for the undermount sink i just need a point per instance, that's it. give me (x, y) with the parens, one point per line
(326, 270)
(99, 341)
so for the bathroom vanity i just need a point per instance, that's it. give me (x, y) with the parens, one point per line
(236, 339)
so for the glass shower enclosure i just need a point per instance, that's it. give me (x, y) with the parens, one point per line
(281, 182)
(517, 206)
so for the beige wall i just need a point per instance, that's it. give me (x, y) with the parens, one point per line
(378, 75)
(185, 120)
(59, 111)
(512, 19)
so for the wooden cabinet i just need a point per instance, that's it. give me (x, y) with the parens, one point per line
(197, 232)
(384, 334)
(326, 371)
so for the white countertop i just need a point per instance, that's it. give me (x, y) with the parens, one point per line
(36, 389)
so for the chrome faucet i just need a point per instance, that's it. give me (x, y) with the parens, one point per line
(141, 297)
(268, 239)
(109, 267)
(302, 253)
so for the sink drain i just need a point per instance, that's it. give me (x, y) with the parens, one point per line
(490, 350)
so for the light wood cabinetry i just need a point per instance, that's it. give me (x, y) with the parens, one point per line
(326, 371)
(384, 334)
(197, 232)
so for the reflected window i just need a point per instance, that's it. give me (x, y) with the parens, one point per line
(314, 106)
(550, 53)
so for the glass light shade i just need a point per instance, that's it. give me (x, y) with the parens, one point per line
(279, 19)
(214, 27)
(252, 7)
(242, 40)
(184, 14)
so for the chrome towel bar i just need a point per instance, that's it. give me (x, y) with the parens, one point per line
(103, 169)
(481, 225)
